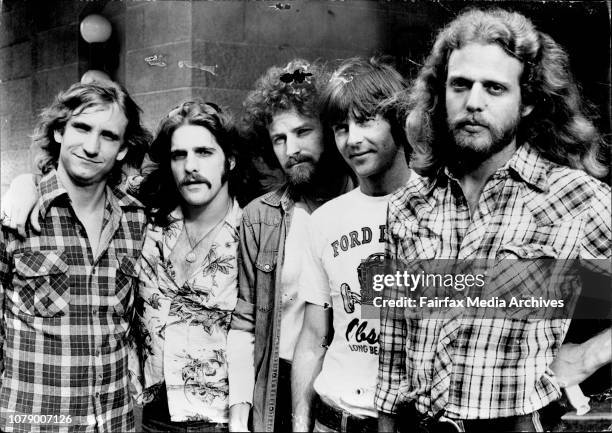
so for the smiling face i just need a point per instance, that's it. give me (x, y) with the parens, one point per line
(198, 166)
(297, 142)
(483, 100)
(367, 145)
(90, 144)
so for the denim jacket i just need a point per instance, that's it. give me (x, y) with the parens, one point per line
(263, 231)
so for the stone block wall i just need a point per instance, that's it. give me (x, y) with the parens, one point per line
(41, 51)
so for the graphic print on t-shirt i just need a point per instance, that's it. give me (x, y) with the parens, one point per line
(344, 251)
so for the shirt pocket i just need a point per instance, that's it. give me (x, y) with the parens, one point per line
(265, 284)
(427, 243)
(525, 271)
(41, 283)
(121, 296)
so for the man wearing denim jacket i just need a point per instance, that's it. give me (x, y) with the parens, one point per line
(282, 112)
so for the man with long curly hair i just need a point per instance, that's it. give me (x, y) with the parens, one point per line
(66, 293)
(282, 115)
(509, 162)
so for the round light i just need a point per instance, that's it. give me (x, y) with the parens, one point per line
(95, 75)
(95, 28)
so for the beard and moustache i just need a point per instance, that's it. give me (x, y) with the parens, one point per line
(310, 175)
(300, 170)
(467, 151)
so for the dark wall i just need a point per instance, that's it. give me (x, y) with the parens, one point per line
(41, 51)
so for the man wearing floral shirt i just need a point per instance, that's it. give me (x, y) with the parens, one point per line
(188, 269)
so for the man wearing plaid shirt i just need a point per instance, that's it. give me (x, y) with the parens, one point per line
(66, 294)
(508, 163)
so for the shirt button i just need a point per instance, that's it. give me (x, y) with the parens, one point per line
(94, 311)
(97, 394)
(267, 267)
(93, 271)
(97, 352)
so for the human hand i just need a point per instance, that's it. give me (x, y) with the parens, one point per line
(18, 201)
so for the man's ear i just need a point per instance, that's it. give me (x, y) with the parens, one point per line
(232, 163)
(57, 135)
(122, 152)
(526, 110)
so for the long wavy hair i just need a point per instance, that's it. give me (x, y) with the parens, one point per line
(158, 190)
(363, 87)
(298, 85)
(559, 126)
(78, 98)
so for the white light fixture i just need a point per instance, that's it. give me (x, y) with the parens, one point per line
(95, 28)
(94, 75)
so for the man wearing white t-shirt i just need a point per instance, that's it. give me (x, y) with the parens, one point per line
(345, 245)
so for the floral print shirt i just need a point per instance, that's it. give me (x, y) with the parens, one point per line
(183, 329)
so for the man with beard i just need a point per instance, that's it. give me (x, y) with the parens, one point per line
(282, 113)
(509, 160)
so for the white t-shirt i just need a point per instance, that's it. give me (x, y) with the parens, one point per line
(345, 234)
(292, 308)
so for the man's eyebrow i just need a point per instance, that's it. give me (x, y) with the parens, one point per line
(484, 81)
(458, 77)
(110, 134)
(204, 147)
(305, 124)
(498, 82)
(80, 125)
(277, 135)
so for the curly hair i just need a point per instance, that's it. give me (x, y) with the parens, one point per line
(297, 85)
(559, 125)
(362, 88)
(158, 190)
(78, 98)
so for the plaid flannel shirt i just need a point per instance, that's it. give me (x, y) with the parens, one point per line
(487, 368)
(66, 317)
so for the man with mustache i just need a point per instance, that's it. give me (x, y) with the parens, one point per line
(282, 114)
(66, 293)
(188, 273)
(510, 164)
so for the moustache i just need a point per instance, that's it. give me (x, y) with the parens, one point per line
(470, 120)
(293, 160)
(195, 178)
